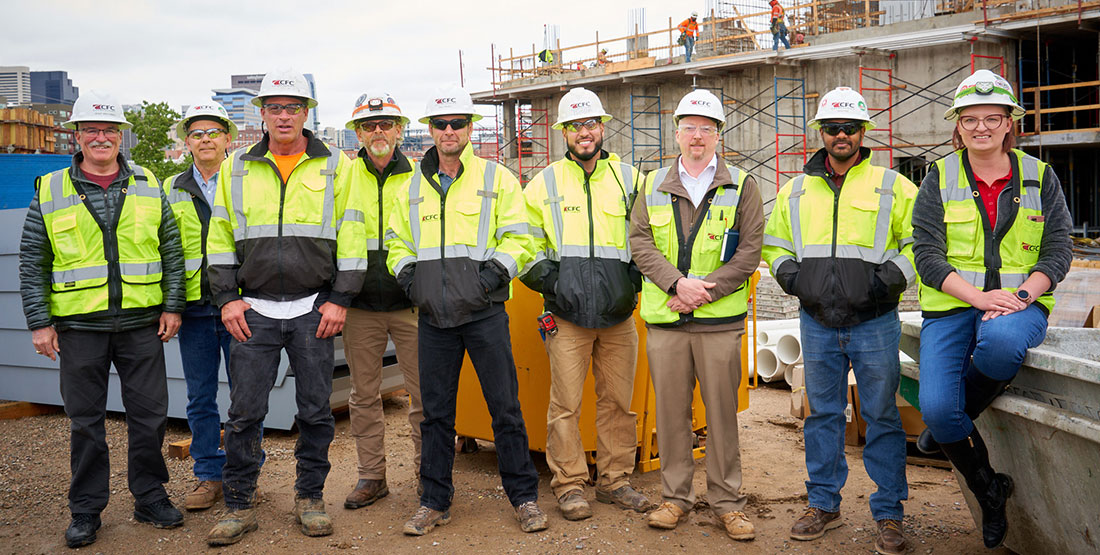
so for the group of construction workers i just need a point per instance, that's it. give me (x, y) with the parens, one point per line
(281, 245)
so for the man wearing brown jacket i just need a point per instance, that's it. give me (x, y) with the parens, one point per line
(696, 235)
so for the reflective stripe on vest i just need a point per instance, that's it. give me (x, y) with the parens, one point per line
(554, 200)
(966, 233)
(243, 231)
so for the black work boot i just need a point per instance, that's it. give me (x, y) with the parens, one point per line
(991, 489)
(981, 391)
(82, 529)
(160, 513)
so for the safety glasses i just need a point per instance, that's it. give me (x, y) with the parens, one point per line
(456, 124)
(383, 124)
(576, 126)
(834, 129)
(292, 109)
(212, 134)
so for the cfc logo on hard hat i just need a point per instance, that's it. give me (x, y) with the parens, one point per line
(579, 105)
(282, 82)
(699, 103)
(843, 105)
(445, 100)
(1029, 248)
(107, 107)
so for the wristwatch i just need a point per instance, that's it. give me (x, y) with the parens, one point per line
(1023, 295)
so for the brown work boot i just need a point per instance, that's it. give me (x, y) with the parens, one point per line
(573, 506)
(232, 527)
(531, 518)
(365, 493)
(205, 494)
(814, 523)
(312, 516)
(424, 520)
(667, 516)
(891, 540)
(737, 526)
(625, 497)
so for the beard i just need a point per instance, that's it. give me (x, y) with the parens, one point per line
(379, 149)
(584, 157)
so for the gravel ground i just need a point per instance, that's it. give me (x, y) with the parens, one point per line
(34, 477)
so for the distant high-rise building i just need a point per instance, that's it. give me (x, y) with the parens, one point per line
(53, 87)
(15, 84)
(238, 102)
(252, 82)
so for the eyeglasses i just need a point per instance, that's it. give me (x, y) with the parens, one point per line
(834, 129)
(993, 121)
(291, 109)
(110, 133)
(372, 124)
(212, 134)
(706, 130)
(575, 126)
(456, 124)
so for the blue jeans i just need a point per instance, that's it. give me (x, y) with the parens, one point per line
(489, 344)
(203, 341)
(780, 34)
(871, 348)
(947, 345)
(689, 46)
(253, 367)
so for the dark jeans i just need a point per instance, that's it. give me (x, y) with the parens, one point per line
(138, 356)
(203, 339)
(253, 367)
(489, 345)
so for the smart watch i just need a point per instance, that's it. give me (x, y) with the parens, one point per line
(1023, 295)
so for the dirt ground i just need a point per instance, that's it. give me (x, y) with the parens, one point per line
(34, 476)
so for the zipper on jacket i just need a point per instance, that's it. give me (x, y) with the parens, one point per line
(591, 230)
(381, 232)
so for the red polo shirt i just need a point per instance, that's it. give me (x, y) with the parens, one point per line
(989, 195)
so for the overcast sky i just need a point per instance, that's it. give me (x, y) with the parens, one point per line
(178, 51)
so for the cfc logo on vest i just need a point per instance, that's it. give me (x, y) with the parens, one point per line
(714, 237)
(571, 209)
(1029, 248)
(430, 218)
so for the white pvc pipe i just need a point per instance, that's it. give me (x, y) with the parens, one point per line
(788, 374)
(768, 365)
(788, 348)
(763, 338)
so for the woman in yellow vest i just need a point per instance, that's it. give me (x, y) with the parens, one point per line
(992, 241)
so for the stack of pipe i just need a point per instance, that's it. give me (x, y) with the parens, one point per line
(779, 349)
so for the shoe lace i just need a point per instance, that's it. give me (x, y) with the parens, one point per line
(161, 504)
(422, 513)
(888, 524)
(529, 510)
(82, 518)
(811, 512)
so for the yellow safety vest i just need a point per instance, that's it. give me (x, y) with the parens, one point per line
(80, 266)
(190, 226)
(705, 256)
(967, 231)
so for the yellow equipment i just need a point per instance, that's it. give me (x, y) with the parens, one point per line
(533, 373)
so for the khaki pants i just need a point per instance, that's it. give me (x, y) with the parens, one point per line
(613, 354)
(366, 334)
(676, 360)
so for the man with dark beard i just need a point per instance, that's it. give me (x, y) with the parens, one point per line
(577, 208)
(841, 239)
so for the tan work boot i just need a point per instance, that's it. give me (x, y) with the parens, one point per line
(424, 520)
(366, 492)
(312, 516)
(814, 523)
(232, 527)
(891, 540)
(573, 506)
(531, 518)
(737, 526)
(667, 516)
(625, 497)
(205, 494)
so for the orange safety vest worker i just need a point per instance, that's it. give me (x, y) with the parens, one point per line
(689, 27)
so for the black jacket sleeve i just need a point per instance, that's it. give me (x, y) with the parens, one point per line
(35, 265)
(542, 277)
(173, 280)
(930, 233)
(1056, 249)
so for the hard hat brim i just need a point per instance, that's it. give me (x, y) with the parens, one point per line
(122, 125)
(258, 101)
(1016, 112)
(604, 118)
(427, 119)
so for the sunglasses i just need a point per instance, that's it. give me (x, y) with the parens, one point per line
(198, 134)
(833, 129)
(292, 109)
(371, 125)
(575, 126)
(456, 124)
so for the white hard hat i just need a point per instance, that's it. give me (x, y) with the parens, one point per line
(984, 87)
(694, 14)
(207, 108)
(449, 99)
(701, 102)
(95, 106)
(375, 104)
(842, 103)
(284, 82)
(580, 103)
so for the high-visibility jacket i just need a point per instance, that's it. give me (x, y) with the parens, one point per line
(980, 257)
(704, 255)
(847, 254)
(777, 12)
(446, 247)
(580, 225)
(86, 264)
(284, 240)
(689, 27)
(373, 198)
(193, 231)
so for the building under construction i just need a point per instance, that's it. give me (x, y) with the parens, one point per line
(905, 56)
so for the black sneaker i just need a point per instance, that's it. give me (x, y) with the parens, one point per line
(82, 529)
(160, 514)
